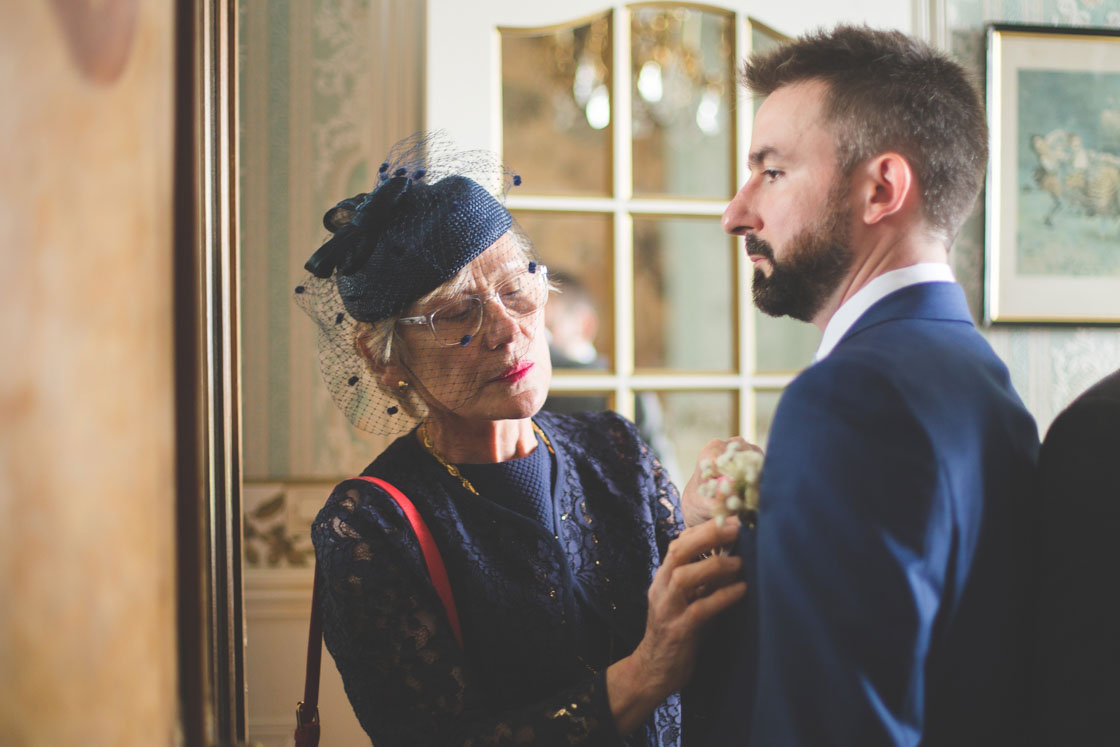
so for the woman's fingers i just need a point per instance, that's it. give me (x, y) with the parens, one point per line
(703, 578)
(717, 570)
(700, 540)
(695, 507)
(706, 607)
(685, 578)
(687, 591)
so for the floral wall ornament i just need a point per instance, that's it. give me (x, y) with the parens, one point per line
(270, 539)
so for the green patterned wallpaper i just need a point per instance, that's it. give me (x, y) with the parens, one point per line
(325, 89)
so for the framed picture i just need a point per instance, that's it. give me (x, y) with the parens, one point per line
(1053, 196)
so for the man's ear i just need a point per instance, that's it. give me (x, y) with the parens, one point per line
(886, 187)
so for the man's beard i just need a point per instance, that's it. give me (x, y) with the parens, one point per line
(818, 259)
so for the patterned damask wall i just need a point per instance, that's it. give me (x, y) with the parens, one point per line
(326, 87)
(1050, 365)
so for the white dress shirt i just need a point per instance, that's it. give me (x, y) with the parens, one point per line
(879, 288)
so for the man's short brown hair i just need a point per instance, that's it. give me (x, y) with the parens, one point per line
(889, 92)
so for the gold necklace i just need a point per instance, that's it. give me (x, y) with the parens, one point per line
(452, 470)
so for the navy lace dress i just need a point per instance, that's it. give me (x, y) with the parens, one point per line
(546, 600)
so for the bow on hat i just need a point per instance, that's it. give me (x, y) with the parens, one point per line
(402, 240)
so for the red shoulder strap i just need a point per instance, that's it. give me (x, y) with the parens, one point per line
(307, 710)
(432, 557)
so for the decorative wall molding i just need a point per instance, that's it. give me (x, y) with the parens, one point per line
(277, 608)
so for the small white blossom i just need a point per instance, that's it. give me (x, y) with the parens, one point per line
(732, 479)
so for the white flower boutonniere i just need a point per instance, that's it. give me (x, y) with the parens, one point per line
(731, 479)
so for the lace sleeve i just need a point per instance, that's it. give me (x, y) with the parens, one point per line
(664, 500)
(668, 521)
(404, 673)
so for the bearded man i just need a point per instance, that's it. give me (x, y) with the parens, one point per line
(888, 566)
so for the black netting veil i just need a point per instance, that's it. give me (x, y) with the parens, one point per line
(432, 242)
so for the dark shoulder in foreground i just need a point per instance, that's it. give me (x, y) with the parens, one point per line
(1088, 425)
(1104, 390)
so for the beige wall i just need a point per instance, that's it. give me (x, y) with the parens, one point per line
(87, 624)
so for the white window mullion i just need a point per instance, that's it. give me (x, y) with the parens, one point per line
(623, 223)
(494, 83)
(744, 112)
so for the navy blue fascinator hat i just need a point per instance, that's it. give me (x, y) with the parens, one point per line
(404, 239)
(432, 211)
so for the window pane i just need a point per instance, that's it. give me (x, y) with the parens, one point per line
(677, 425)
(556, 108)
(765, 402)
(576, 247)
(682, 84)
(784, 344)
(684, 295)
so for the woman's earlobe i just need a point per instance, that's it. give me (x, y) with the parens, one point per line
(392, 376)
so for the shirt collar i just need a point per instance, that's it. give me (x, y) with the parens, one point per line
(880, 287)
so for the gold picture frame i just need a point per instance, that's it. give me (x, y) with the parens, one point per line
(1052, 249)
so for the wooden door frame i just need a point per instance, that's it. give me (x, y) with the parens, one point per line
(207, 368)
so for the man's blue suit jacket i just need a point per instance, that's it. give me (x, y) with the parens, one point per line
(887, 574)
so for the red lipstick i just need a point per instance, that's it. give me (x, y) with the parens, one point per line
(517, 372)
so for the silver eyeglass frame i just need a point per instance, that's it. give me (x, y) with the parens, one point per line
(426, 319)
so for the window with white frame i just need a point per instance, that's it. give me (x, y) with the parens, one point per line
(626, 125)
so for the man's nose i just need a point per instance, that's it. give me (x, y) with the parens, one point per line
(739, 216)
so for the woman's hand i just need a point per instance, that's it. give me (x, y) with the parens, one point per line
(686, 592)
(696, 508)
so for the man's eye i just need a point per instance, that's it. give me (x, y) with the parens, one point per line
(771, 174)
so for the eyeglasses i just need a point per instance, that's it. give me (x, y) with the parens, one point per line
(457, 323)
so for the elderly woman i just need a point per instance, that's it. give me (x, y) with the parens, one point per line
(552, 528)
